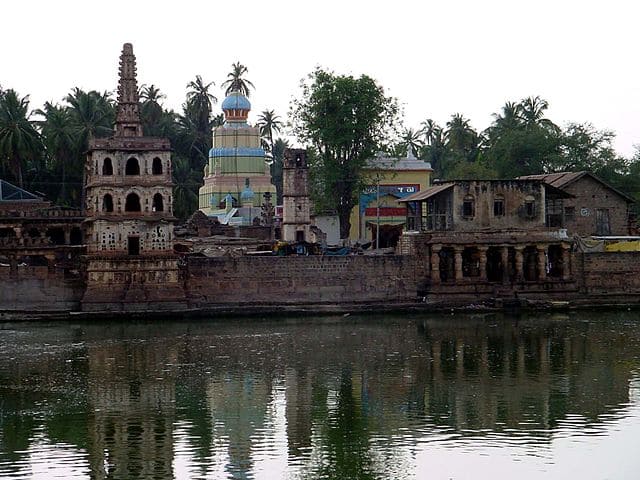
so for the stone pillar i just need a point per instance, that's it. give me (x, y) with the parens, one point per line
(542, 263)
(67, 235)
(13, 266)
(458, 261)
(566, 261)
(435, 263)
(483, 263)
(51, 263)
(519, 263)
(504, 254)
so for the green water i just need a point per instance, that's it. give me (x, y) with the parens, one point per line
(451, 397)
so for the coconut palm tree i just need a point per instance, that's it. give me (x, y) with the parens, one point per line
(185, 188)
(20, 142)
(429, 130)
(460, 137)
(532, 110)
(200, 99)
(235, 81)
(63, 156)
(269, 124)
(151, 112)
(92, 114)
(413, 140)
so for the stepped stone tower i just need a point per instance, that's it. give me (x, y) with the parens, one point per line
(237, 171)
(296, 219)
(128, 208)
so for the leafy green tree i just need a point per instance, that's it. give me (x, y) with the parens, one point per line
(20, 142)
(236, 82)
(346, 120)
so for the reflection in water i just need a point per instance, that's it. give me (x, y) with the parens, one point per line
(381, 397)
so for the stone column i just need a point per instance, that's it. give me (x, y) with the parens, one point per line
(504, 254)
(519, 263)
(542, 263)
(458, 261)
(435, 263)
(483, 263)
(67, 235)
(13, 266)
(566, 261)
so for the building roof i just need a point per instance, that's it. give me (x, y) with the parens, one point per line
(11, 193)
(397, 164)
(564, 179)
(236, 100)
(427, 193)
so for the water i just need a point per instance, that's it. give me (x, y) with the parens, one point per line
(449, 397)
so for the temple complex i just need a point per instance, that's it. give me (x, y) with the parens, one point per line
(237, 174)
(128, 208)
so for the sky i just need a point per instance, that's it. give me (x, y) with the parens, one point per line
(436, 57)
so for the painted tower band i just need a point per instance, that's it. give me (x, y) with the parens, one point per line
(128, 208)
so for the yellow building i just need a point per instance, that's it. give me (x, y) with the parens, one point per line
(388, 179)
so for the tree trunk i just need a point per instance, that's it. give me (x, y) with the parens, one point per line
(344, 216)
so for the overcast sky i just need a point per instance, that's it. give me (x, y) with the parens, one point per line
(437, 58)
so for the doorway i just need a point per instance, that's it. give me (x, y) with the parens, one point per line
(134, 245)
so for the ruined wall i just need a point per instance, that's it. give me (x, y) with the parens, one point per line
(590, 196)
(514, 195)
(608, 273)
(35, 289)
(291, 280)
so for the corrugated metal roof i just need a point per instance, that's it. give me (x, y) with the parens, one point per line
(426, 193)
(11, 193)
(562, 179)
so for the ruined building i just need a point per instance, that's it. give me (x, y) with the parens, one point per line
(296, 220)
(128, 208)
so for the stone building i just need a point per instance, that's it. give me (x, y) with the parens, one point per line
(237, 175)
(388, 179)
(128, 205)
(594, 207)
(296, 219)
(476, 236)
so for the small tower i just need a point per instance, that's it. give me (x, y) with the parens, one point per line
(128, 208)
(296, 219)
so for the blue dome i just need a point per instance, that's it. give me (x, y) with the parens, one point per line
(236, 100)
(247, 194)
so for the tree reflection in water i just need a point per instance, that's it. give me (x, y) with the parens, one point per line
(312, 398)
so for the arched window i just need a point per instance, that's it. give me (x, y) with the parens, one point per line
(132, 167)
(529, 206)
(158, 204)
(107, 203)
(156, 167)
(107, 167)
(132, 203)
(468, 206)
(498, 206)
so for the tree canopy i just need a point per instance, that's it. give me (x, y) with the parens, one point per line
(346, 120)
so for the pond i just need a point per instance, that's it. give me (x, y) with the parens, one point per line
(345, 397)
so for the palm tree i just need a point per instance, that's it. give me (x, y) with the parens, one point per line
(185, 188)
(200, 99)
(532, 113)
(92, 114)
(429, 130)
(460, 137)
(412, 139)
(19, 140)
(235, 81)
(151, 111)
(62, 154)
(269, 123)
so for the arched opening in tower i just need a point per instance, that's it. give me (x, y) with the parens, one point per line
(132, 203)
(158, 203)
(132, 167)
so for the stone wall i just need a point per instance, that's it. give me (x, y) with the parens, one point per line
(608, 273)
(299, 280)
(35, 289)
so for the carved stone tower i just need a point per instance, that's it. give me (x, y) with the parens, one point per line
(128, 206)
(296, 220)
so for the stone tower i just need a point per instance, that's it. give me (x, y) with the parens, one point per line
(296, 220)
(128, 206)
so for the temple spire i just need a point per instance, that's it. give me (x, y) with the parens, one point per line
(128, 110)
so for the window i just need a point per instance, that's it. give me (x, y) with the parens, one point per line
(603, 227)
(132, 203)
(107, 203)
(107, 167)
(468, 206)
(133, 244)
(498, 206)
(132, 167)
(529, 207)
(158, 204)
(156, 167)
(569, 214)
